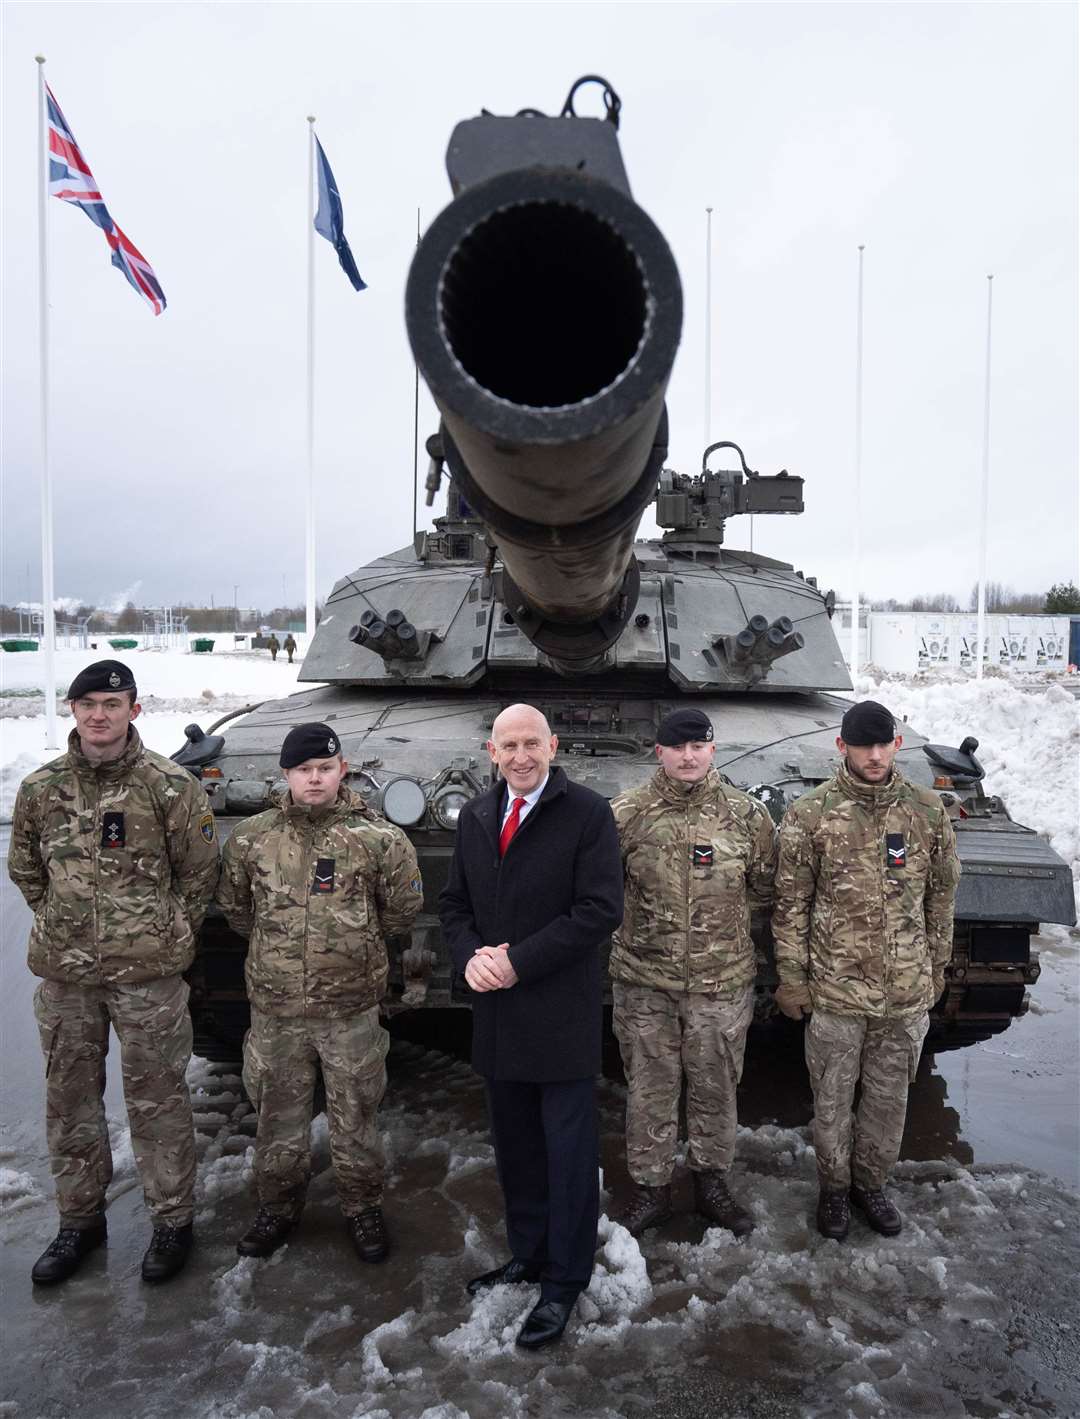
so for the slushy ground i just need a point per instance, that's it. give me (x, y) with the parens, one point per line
(973, 1310)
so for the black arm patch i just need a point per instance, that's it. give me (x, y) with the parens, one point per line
(895, 852)
(112, 829)
(701, 855)
(323, 881)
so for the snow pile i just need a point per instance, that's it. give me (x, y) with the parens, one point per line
(1029, 744)
(17, 1189)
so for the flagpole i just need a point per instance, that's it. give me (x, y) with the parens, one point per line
(985, 517)
(48, 617)
(309, 567)
(708, 327)
(857, 551)
(416, 418)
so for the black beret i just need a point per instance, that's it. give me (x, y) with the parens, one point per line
(102, 676)
(683, 726)
(867, 723)
(308, 741)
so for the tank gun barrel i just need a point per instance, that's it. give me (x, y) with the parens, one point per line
(544, 310)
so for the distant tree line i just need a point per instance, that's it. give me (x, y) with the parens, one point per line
(1062, 599)
(131, 620)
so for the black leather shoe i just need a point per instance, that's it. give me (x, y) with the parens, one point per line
(167, 1253)
(268, 1232)
(64, 1254)
(646, 1207)
(367, 1232)
(833, 1214)
(544, 1324)
(508, 1274)
(877, 1209)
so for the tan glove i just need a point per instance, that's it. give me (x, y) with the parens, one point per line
(793, 1000)
(939, 984)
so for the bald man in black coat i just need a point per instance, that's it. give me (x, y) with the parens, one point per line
(535, 888)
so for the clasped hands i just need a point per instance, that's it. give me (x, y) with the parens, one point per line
(489, 968)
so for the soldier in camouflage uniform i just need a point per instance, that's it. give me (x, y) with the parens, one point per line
(317, 882)
(698, 856)
(113, 848)
(863, 929)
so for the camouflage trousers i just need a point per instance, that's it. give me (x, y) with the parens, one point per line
(882, 1055)
(152, 1023)
(665, 1036)
(280, 1058)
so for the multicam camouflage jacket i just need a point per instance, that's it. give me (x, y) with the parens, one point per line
(118, 862)
(697, 858)
(317, 891)
(864, 895)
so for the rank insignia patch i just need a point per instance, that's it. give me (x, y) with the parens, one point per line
(206, 826)
(701, 855)
(112, 830)
(323, 881)
(895, 852)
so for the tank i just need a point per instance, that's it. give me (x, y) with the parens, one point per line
(544, 310)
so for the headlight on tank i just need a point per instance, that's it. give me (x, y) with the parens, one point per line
(447, 806)
(403, 802)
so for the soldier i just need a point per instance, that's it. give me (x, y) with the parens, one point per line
(698, 856)
(289, 647)
(863, 929)
(113, 848)
(317, 882)
(273, 646)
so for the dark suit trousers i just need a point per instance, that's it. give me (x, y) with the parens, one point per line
(547, 1150)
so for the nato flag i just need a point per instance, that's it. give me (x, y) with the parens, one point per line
(330, 223)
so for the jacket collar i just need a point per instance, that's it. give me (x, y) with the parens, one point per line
(111, 768)
(870, 795)
(685, 795)
(490, 805)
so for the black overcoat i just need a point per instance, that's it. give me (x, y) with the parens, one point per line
(556, 896)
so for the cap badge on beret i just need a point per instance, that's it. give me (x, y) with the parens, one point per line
(308, 741)
(684, 726)
(114, 680)
(331, 745)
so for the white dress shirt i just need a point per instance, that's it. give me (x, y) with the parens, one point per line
(526, 807)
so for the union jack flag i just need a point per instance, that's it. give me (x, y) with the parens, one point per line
(71, 180)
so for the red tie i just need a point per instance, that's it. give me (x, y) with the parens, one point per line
(510, 827)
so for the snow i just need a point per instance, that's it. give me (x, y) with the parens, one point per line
(972, 1310)
(1029, 742)
(176, 687)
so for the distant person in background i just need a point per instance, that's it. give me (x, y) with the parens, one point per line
(273, 646)
(317, 882)
(698, 856)
(534, 889)
(863, 926)
(114, 849)
(290, 646)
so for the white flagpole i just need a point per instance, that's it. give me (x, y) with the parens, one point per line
(48, 618)
(310, 553)
(857, 551)
(708, 327)
(985, 517)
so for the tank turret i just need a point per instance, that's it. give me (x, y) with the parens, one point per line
(544, 311)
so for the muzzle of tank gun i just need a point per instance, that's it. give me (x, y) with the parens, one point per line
(394, 638)
(544, 310)
(758, 644)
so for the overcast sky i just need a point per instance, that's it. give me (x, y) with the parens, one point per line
(942, 136)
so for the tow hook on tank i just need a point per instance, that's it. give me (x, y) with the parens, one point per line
(417, 963)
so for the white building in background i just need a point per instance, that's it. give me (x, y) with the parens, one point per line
(908, 641)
